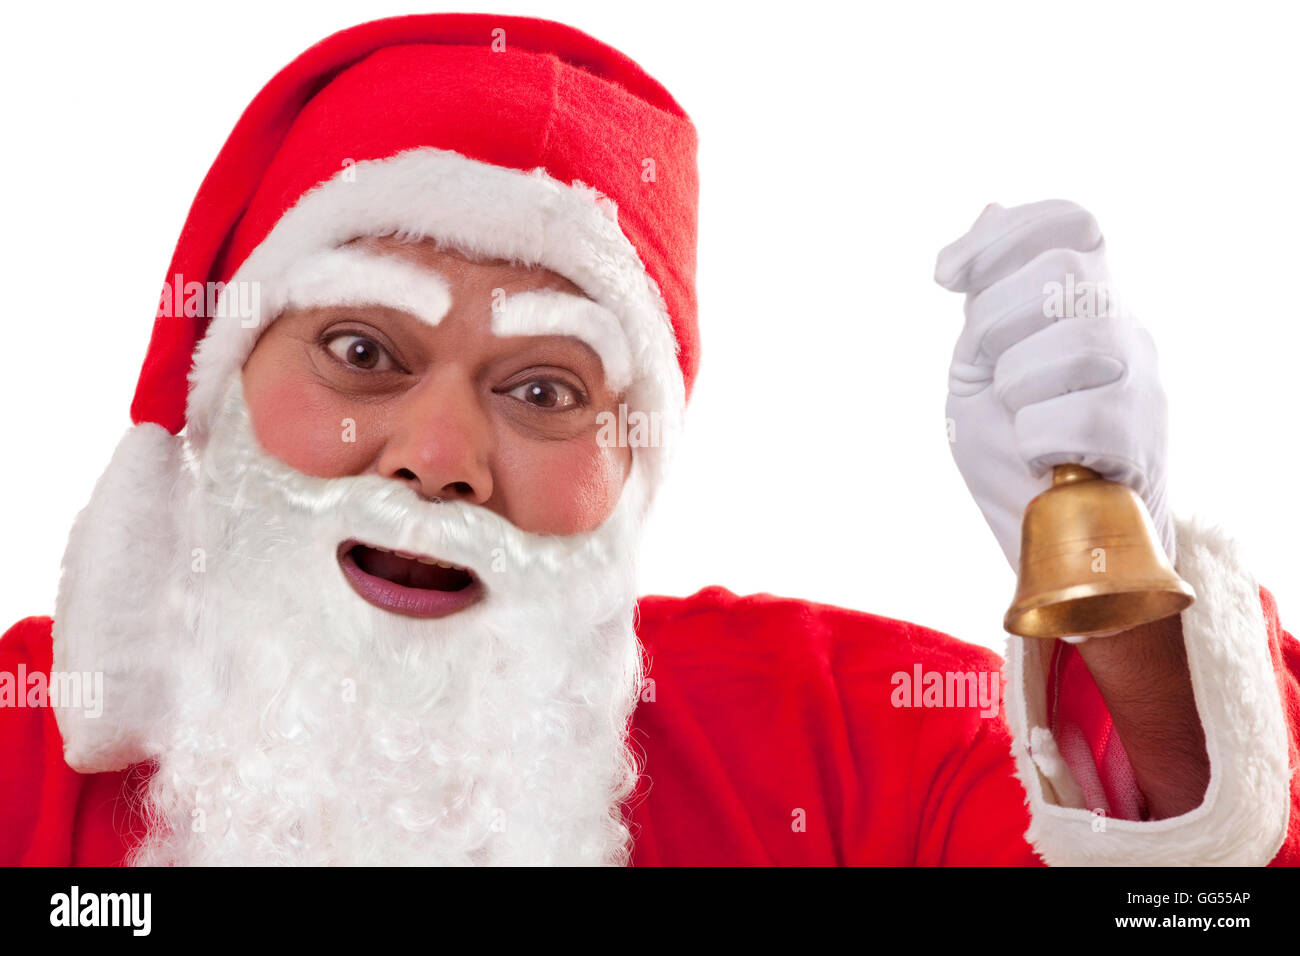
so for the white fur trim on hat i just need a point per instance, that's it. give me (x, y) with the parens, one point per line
(1243, 819)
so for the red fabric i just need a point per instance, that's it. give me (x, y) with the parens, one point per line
(765, 712)
(554, 98)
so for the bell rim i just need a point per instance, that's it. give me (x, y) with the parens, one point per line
(1181, 593)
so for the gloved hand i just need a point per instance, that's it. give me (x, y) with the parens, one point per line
(1038, 378)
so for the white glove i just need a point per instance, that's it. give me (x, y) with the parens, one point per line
(1030, 388)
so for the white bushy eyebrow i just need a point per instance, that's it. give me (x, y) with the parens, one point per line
(554, 312)
(353, 277)
(348, 276)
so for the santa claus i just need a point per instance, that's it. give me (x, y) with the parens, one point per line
(359, 583)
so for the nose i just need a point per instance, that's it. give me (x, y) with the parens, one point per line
(439, 442)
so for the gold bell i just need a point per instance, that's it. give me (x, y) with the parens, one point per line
(1090, 562)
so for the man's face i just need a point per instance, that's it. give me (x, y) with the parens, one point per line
(453, 410)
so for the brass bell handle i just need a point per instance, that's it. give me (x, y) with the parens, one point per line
(1064, 474)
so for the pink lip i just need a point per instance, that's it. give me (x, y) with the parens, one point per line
(411, 602)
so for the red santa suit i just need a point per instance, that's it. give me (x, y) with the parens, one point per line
(769, 736)
(771, 730)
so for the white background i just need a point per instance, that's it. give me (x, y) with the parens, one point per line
(841, 147)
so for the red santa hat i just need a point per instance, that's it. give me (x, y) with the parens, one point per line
(503, 137)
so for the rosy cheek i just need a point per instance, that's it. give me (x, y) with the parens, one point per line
(561, 487)
(307, 427)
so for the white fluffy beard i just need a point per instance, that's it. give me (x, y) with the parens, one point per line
(309, 727)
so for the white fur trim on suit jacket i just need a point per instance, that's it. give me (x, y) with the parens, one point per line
(1243, 819)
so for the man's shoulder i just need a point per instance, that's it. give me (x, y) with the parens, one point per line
(756, 707)
(714, 621)
(26, 652)
(28, 642)
(30, 747)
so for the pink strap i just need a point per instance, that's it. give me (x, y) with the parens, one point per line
(1088, 741)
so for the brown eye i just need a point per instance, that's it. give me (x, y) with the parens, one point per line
(545, 393)
(360, 352)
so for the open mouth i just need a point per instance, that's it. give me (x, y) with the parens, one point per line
(415, 585)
